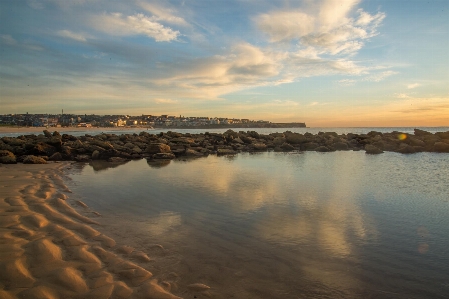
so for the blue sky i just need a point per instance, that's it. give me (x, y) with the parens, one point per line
(326, 62)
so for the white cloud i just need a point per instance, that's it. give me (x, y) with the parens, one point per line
(72, 35)
(347, 82)
(8, 39)
(380, 76)
(413, 85)
(327, 26)
(165, 101)
(285, 25)
(138, 24)
(162, 14)
(401, 96)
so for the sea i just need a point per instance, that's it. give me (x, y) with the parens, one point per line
(282, 225)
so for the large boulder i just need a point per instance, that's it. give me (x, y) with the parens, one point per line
(259, 146)
(341, 146)
(7, 157)
(406, 149)
(43, 149)
(309, 146)
(295, 138)
(47, 134)
(31, 159)
(155, 148)
(13, 141)
(287, 147)
(441, 147)
(103, 144)
(279, 140)
(419, 132)
(372, 150)
(192, 153)
(56, 157)
(54, 141)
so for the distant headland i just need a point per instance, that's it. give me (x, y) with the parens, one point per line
(144, 120)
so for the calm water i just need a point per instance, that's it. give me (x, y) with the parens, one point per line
(276, 225)
(346, 130)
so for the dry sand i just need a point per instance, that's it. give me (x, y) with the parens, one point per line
(50, 250)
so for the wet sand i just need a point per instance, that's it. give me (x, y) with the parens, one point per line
(52, 247)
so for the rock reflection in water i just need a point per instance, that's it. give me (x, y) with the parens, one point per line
(99, 165)
(276, 225)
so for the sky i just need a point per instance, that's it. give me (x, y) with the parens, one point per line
(328, 63)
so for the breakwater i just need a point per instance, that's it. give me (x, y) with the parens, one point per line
(38, 149)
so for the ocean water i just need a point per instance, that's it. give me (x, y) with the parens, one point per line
(283, 225)
(345, 130)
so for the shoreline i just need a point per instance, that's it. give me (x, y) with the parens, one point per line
(52, 249)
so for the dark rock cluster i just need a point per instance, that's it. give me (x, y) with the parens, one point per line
(117, 148)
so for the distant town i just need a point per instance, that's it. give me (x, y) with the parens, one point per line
(92, 120)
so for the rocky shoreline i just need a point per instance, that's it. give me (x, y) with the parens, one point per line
(38, 149)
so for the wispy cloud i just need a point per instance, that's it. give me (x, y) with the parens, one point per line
(377, 77)
(139, 24)
(165, 101)
(163, 14)
(7, 39)
(72, 35)
(413, 85)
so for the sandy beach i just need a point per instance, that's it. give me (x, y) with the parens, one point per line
(50, 250)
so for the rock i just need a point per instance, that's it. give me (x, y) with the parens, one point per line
(56, 133)
(441, 147)
(54, 141)
(419, 132)
(43, 149)
(192, 153)
(13, 141)
(287, 147)
(82, 158)
(341, 146)
(259, 146)
(237, 140)
(117, 159)
(155, 148)
(163, 156)
(47, 134)
(7, 157)
(223, 152)
(323, 149)
(103, 144)
(310, 146)
(406, 149)
(295, 138)
(95, 155)
(279, 140)
(56, 157)
(30, 159)
(246, 139)
(416, 142)
(442, 135)
(372, 150)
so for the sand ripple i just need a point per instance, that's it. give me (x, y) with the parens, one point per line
(49, 250)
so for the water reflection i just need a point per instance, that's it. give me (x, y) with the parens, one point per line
(158, 163)
(99, 165)
(323, 225)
